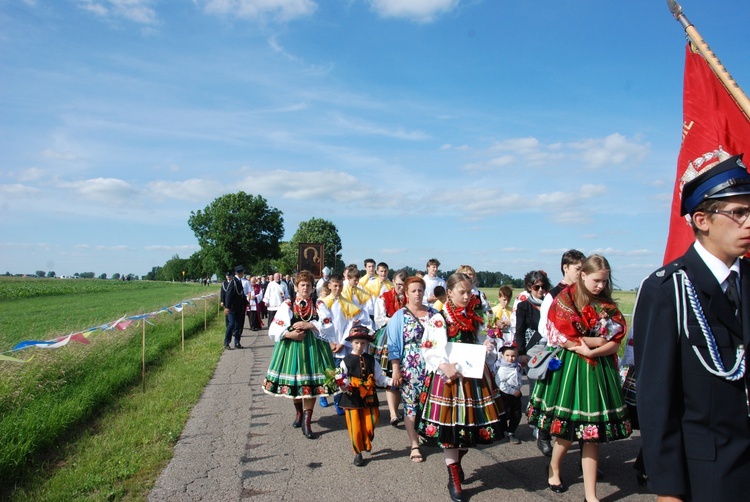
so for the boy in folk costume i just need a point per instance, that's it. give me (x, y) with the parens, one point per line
(353, 292)
(342, 314)
(361, 373)
(377, 287)
(371, 283)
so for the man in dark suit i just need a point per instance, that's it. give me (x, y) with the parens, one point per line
(222, 296)
(691, 327)
(234, 308)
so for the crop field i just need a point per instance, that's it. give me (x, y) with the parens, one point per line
(58, 395)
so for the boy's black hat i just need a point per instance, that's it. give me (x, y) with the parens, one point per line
(360, 333)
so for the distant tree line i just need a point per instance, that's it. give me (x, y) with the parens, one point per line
(240, 228)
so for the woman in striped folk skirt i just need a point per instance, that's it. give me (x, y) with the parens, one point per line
(301, 356)
(457, 413)
(582, 399)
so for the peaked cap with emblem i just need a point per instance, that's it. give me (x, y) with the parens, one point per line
(722, 179)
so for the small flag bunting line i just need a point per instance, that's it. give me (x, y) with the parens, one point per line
(120, 324)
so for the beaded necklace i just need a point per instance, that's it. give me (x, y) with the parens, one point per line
(303, 309)
(462, 319)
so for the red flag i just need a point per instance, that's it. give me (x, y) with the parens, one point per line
(711, 119)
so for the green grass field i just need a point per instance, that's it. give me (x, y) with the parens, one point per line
(74, 422)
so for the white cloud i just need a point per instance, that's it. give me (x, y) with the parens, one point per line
(17, 190)
(621, 252)
(281, 10)
(121, 247)
(188, 190)
(138, 11)
(614, 149)
(570, 217)
(110, 191)
(190, 248)
(422, 11)
(276, 46)
(31, 174)
(58, 155)
(362, 127)
(323, 185)
(503, 160)
(519, 145)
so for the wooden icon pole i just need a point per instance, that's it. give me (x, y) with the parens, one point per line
(713, 61)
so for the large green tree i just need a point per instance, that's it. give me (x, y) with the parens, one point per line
(237, 228)
(172, 270)
(315, 230)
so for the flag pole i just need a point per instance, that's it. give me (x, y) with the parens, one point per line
(721, 72)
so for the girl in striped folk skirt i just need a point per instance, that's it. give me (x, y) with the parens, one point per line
(457, 412)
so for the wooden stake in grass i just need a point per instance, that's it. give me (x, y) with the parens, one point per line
(182, 312)
(143, 355)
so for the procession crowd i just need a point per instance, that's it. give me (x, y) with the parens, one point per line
(345, 336)
(455, 364)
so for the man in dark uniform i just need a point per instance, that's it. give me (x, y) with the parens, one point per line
(234, 308)
(223, 294)
(690, 328)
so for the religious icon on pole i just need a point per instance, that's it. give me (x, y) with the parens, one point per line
(311, 258)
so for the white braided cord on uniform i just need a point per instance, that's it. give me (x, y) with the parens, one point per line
(738, 371)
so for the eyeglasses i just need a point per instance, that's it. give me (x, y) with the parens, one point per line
(739, 216)
(537, 287)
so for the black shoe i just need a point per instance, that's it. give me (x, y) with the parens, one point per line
(561, 488)
(545, 446)
(237, 346)
(358, 460)
(641, 478)
(227, 347)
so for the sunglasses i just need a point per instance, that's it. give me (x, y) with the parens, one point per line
(537, 287)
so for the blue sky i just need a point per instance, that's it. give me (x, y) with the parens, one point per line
(493, 133)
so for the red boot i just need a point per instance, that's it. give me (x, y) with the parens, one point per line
(298, 417)
(306, 430)
(454, 483)
(461, 454)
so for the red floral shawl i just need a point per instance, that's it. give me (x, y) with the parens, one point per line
(463, 323)
(564, 317)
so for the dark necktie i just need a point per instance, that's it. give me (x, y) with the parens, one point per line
(733, 294)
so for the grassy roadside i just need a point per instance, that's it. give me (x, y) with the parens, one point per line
(119, 454)
(52, 401)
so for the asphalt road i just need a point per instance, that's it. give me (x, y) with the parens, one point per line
(239, 444)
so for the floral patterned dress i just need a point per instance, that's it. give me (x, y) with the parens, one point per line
(462, 413)
(582, 400)
(405, 334)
